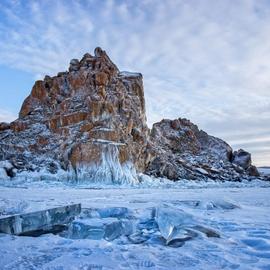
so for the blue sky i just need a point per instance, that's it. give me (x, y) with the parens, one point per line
(205, 60)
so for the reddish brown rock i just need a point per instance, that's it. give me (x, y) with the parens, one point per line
(18, 126)
(253, 171)
(86, 127)
(101, 78)
(4, 126)
(73, 118)
(27, 106)
(39, 91)
(175, 124)
(82, 120)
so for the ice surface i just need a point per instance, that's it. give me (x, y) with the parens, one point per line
(222, 236)
(176, 226)
(264, 170)
(98, 228)
(118, 228)
(12, 207)
(117, 212)
(93, 228)
(3, 174)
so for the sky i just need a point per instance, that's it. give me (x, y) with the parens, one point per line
(205, 60)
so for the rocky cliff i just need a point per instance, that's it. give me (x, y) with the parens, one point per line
(181, 150)
(89, 124)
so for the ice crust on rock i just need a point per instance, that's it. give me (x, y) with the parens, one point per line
(109, 171)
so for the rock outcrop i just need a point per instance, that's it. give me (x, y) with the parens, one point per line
(182, 151)
(243, 159)
(89, 123)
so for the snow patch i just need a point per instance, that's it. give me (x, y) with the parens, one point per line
(3, 174)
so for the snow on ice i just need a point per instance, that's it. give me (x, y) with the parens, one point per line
(189, 225)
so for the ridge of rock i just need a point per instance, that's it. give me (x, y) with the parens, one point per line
(182, 151)
(89, 123)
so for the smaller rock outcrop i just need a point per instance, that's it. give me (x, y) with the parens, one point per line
(242, 158)
(180, 150)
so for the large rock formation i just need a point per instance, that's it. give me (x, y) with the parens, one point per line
(89, 124)
(181, 150)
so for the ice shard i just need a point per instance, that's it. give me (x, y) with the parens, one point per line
(168, 219)
(98, 228)
(36, 223)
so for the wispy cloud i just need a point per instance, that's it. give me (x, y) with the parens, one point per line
(6, 116)
(204, 60)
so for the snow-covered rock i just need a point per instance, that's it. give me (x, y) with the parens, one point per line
(181, 150)
(242, 158)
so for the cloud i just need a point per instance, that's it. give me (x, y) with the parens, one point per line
(6, 116)
(204, 60)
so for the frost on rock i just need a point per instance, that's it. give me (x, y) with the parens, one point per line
(109, 170)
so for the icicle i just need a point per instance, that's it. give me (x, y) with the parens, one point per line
(110, 170)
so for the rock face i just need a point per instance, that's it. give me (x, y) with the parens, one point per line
(181, 150)
(242, 158)
(89, 124)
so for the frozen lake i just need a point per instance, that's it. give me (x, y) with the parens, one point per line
(218, 226)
